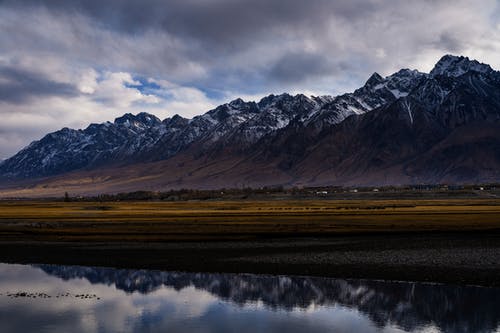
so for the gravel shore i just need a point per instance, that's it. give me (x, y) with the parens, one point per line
(457, 258)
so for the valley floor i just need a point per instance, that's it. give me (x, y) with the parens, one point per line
(453, 241)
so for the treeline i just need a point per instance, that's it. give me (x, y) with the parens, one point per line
(181, 195)
(278, 192)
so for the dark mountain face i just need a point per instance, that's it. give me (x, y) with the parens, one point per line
(96, 145)
(447, 129)
(409, 127)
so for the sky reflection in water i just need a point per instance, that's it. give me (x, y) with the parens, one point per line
(150, 301)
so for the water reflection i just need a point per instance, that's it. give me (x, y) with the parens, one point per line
(142, 300)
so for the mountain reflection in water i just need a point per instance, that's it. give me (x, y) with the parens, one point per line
(142, 300)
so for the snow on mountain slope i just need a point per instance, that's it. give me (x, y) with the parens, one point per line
(457, 91)
(450, 65)
(69, 149)
(376, 92)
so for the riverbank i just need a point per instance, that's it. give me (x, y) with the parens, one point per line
(447, 258)
(449, 241)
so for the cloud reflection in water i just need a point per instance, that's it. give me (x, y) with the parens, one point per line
(142, 301)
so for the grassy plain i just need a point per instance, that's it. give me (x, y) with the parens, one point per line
(439, 240)
(227, 220)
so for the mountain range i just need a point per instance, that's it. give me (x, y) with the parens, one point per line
(406, 128)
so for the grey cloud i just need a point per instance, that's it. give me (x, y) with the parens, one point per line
(298, 67)
(18, 86)
(221, 26)
(10, 143)
(215, 41)
(449, 41)
(231, 47)
(212, 17)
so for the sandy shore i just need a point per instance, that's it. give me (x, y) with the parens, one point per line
(458, 258)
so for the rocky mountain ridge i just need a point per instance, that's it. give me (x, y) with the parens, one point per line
(381, 133)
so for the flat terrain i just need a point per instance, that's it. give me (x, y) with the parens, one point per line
(455, 241)
(228, 220)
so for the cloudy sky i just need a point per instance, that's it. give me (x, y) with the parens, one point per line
(70, 63)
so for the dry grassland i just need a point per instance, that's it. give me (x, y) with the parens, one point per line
(223, 220)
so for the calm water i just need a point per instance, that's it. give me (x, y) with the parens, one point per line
(48, 298)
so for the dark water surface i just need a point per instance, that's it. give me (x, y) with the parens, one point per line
(50, 298)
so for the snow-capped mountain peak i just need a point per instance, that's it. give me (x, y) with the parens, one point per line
(402, 82)
(237, 103)
(377, 91)
(455, 66)
(445, 98)
(142, 120)
(374, 80)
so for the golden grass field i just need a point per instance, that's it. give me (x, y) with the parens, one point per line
(163, 221)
